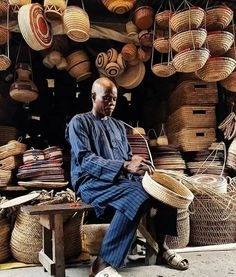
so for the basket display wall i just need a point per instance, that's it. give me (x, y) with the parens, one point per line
(192, 139)
(211, 223)
(183, 231)
(26, 238)
(192, 117)
(193, 92)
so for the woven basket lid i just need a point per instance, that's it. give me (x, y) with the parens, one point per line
(219, 183)
(132, 76)
(34, 27)
(167, 190)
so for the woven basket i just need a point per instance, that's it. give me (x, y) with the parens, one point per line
(119, 6)
(5, 177)
(218, 18)
(231, 53)
(144, 56)
(5, 62)
(7, 133)
(129, 51)
(101, 60)
(211, 223)
(131, 29)
(193, 92)
(183, 231)
(78, 65)
(5, 233)
(12, 148)
(167, 190)
(219, 42)
(26, 238)
(33, 155)
(10, 163)
(34, 27)
(163, 69)
(76, 23)
(146, 38)
(162, 45)
(112, 69)
(53, 9)
(216, 69)
(121, 62)
(188, 39)
(3, 7)
(186, 19)
(230, 82)
(93, 235)
(190, 60)
(4, 33)
(163, 18)
(112, 55)
(192, 117)
(143, 17)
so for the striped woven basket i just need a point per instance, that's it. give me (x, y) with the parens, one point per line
(101, 60)
(219, 42)
(216, 69)
(162, 44)
(190, 60)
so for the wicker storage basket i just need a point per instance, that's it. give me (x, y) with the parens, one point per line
(219, 42)
(34, 27)
(188, 39)
(162, 44)
(7, 133)
(78, 65)
(53, 9)
(119, 6)
(192, 92)
(167, 190)
(11, 162)
(183, 231)
(218, 18)
(26, 238)
(189, 18)
(5, 177)
(192, 117)
(190, 60)
(163, 69)
(12, 148)
(93, 235)
(192, 139)
(163, 18)
(211, 223)
(5, 233)
(230, 82)
(76, 23)
(216, 69)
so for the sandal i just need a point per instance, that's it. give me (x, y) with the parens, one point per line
(106, 272)
(174, 260)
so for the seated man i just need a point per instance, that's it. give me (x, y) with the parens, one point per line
(104, 173)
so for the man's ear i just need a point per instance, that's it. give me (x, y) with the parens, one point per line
(93, 96)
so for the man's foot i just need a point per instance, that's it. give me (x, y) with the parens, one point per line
(107, 272)
(98, 265)
(174, 260)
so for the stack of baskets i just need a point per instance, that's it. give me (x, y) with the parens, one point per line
(192, 121)
(10, 158)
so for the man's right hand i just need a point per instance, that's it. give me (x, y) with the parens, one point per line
(138, 165)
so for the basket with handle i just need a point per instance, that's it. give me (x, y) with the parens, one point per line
(162, 138)
(152, 141)
(53, 9)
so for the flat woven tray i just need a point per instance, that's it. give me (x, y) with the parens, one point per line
(41, 184)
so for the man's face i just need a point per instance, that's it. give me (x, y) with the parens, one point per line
(104, 101)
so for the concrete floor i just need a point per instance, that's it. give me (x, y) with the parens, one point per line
(212, 264)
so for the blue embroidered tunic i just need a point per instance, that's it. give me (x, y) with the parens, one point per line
(98, 151)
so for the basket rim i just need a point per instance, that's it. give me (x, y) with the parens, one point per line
(219, 6)
(192, 30)
(186, 9)
(190, 49)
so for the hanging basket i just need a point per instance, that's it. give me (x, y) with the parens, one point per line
(163, 69)
(15, 5)
(162, 45)
(190, 60)
(230, 82)
(34, 27)
(188, 39)
(216, 69)
(76, 23)
(53, 9)
(189, 18)
(163, 18)
(231, 53)
(5, 62)
(218, 18)
(219, 42)
(119, 6)
(143, 17)
(4, 34)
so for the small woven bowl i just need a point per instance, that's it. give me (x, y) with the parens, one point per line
(163, 69)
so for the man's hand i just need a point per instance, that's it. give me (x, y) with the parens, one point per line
(138, 165)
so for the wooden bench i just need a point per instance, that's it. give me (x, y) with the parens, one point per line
(51, 218)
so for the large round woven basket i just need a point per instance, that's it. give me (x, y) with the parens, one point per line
(93, 235)
(190, 60)
(163, 69)
(189, 18)
(5, 233)
(188, 39)
(167, 190)
(218, 18)
(218, 183)
(230, 82)
(183, 231)
(212, 222)
(78, 65)
(34, 27)
(216, 69)
(76, 23)
(163, 18)
(119, 6)
(219, 42)
(26, 238)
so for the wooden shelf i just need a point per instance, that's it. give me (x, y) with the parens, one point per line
(12, 188)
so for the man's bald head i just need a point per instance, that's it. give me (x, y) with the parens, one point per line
(103, 84)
